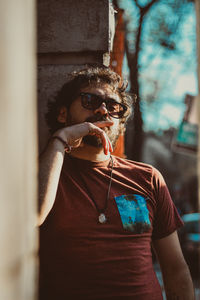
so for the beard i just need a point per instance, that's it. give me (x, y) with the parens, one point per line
(95, 141)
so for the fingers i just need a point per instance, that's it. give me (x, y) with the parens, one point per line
(105, 140)
(110, 146)
(102, 124)
(94, 130)
(73, 134)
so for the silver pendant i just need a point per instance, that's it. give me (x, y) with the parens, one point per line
(102, 218)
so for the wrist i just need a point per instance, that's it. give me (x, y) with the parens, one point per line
(66, 146)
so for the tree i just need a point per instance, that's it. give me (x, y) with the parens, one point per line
(164, 33)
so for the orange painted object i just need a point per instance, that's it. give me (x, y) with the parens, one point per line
(116, 62)
(117, 55)
(119, 149)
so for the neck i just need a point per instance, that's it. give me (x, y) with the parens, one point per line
(90, 153)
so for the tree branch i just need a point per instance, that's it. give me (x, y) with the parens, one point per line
(137, 4)
(146, 8)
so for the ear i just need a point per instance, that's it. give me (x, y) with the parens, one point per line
(62, 116)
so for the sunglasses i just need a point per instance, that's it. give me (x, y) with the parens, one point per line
(92, 102)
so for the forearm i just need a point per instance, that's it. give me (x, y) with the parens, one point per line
(51, 163)
(52, 160)
(179, 286)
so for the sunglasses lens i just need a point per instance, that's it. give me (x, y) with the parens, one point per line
(115, 109)
(92, 102)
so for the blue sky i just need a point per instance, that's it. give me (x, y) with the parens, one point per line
(169, 76)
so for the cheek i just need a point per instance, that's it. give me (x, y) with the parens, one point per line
(75, 107)
(116, 124)
(118, 127)
(114, 129)
(77, 114)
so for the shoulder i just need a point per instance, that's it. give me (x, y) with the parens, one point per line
(135, 166)
(139, 170)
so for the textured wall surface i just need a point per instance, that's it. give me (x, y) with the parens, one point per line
(73, 25)
(71, 35)
(50, 80)
(18, 154)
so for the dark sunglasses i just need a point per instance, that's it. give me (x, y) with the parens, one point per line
(92, 102)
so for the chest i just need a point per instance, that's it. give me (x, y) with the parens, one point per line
(128, 205)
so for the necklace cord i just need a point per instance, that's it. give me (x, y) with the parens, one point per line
(100, 211)
(109, 187)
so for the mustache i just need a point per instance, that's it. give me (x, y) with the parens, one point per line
(96, 118)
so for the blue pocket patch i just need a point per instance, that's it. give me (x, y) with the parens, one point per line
(134, 213)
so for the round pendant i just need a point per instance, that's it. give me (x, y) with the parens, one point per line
(102, 218)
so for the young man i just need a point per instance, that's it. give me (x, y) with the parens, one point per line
(100, 214)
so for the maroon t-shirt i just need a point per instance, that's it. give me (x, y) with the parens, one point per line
(81, 258)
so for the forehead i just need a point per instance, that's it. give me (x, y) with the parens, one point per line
(102, 89)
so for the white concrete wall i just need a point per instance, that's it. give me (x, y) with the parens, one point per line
(18, 150)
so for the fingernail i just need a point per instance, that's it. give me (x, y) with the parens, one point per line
(106, 150)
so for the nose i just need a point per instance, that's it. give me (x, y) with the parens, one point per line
(101, 109)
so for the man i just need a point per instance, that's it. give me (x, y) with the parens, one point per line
(99, 214)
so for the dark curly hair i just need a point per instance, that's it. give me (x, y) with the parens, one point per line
(80, 79)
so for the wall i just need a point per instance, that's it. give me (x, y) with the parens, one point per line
(71, 35)
(18, 154)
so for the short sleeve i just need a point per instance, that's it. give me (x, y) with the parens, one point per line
(166, 217)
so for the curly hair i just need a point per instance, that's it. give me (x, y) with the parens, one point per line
(81, 79)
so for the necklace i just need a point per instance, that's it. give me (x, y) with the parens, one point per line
(101, 212)
(102, 216)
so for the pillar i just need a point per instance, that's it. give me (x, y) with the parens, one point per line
(18, 154)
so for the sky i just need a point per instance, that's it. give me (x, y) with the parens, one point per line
(168, 76)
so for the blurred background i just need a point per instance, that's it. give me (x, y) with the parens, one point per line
(158, 41)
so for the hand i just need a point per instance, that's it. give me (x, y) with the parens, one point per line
(74, 134)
